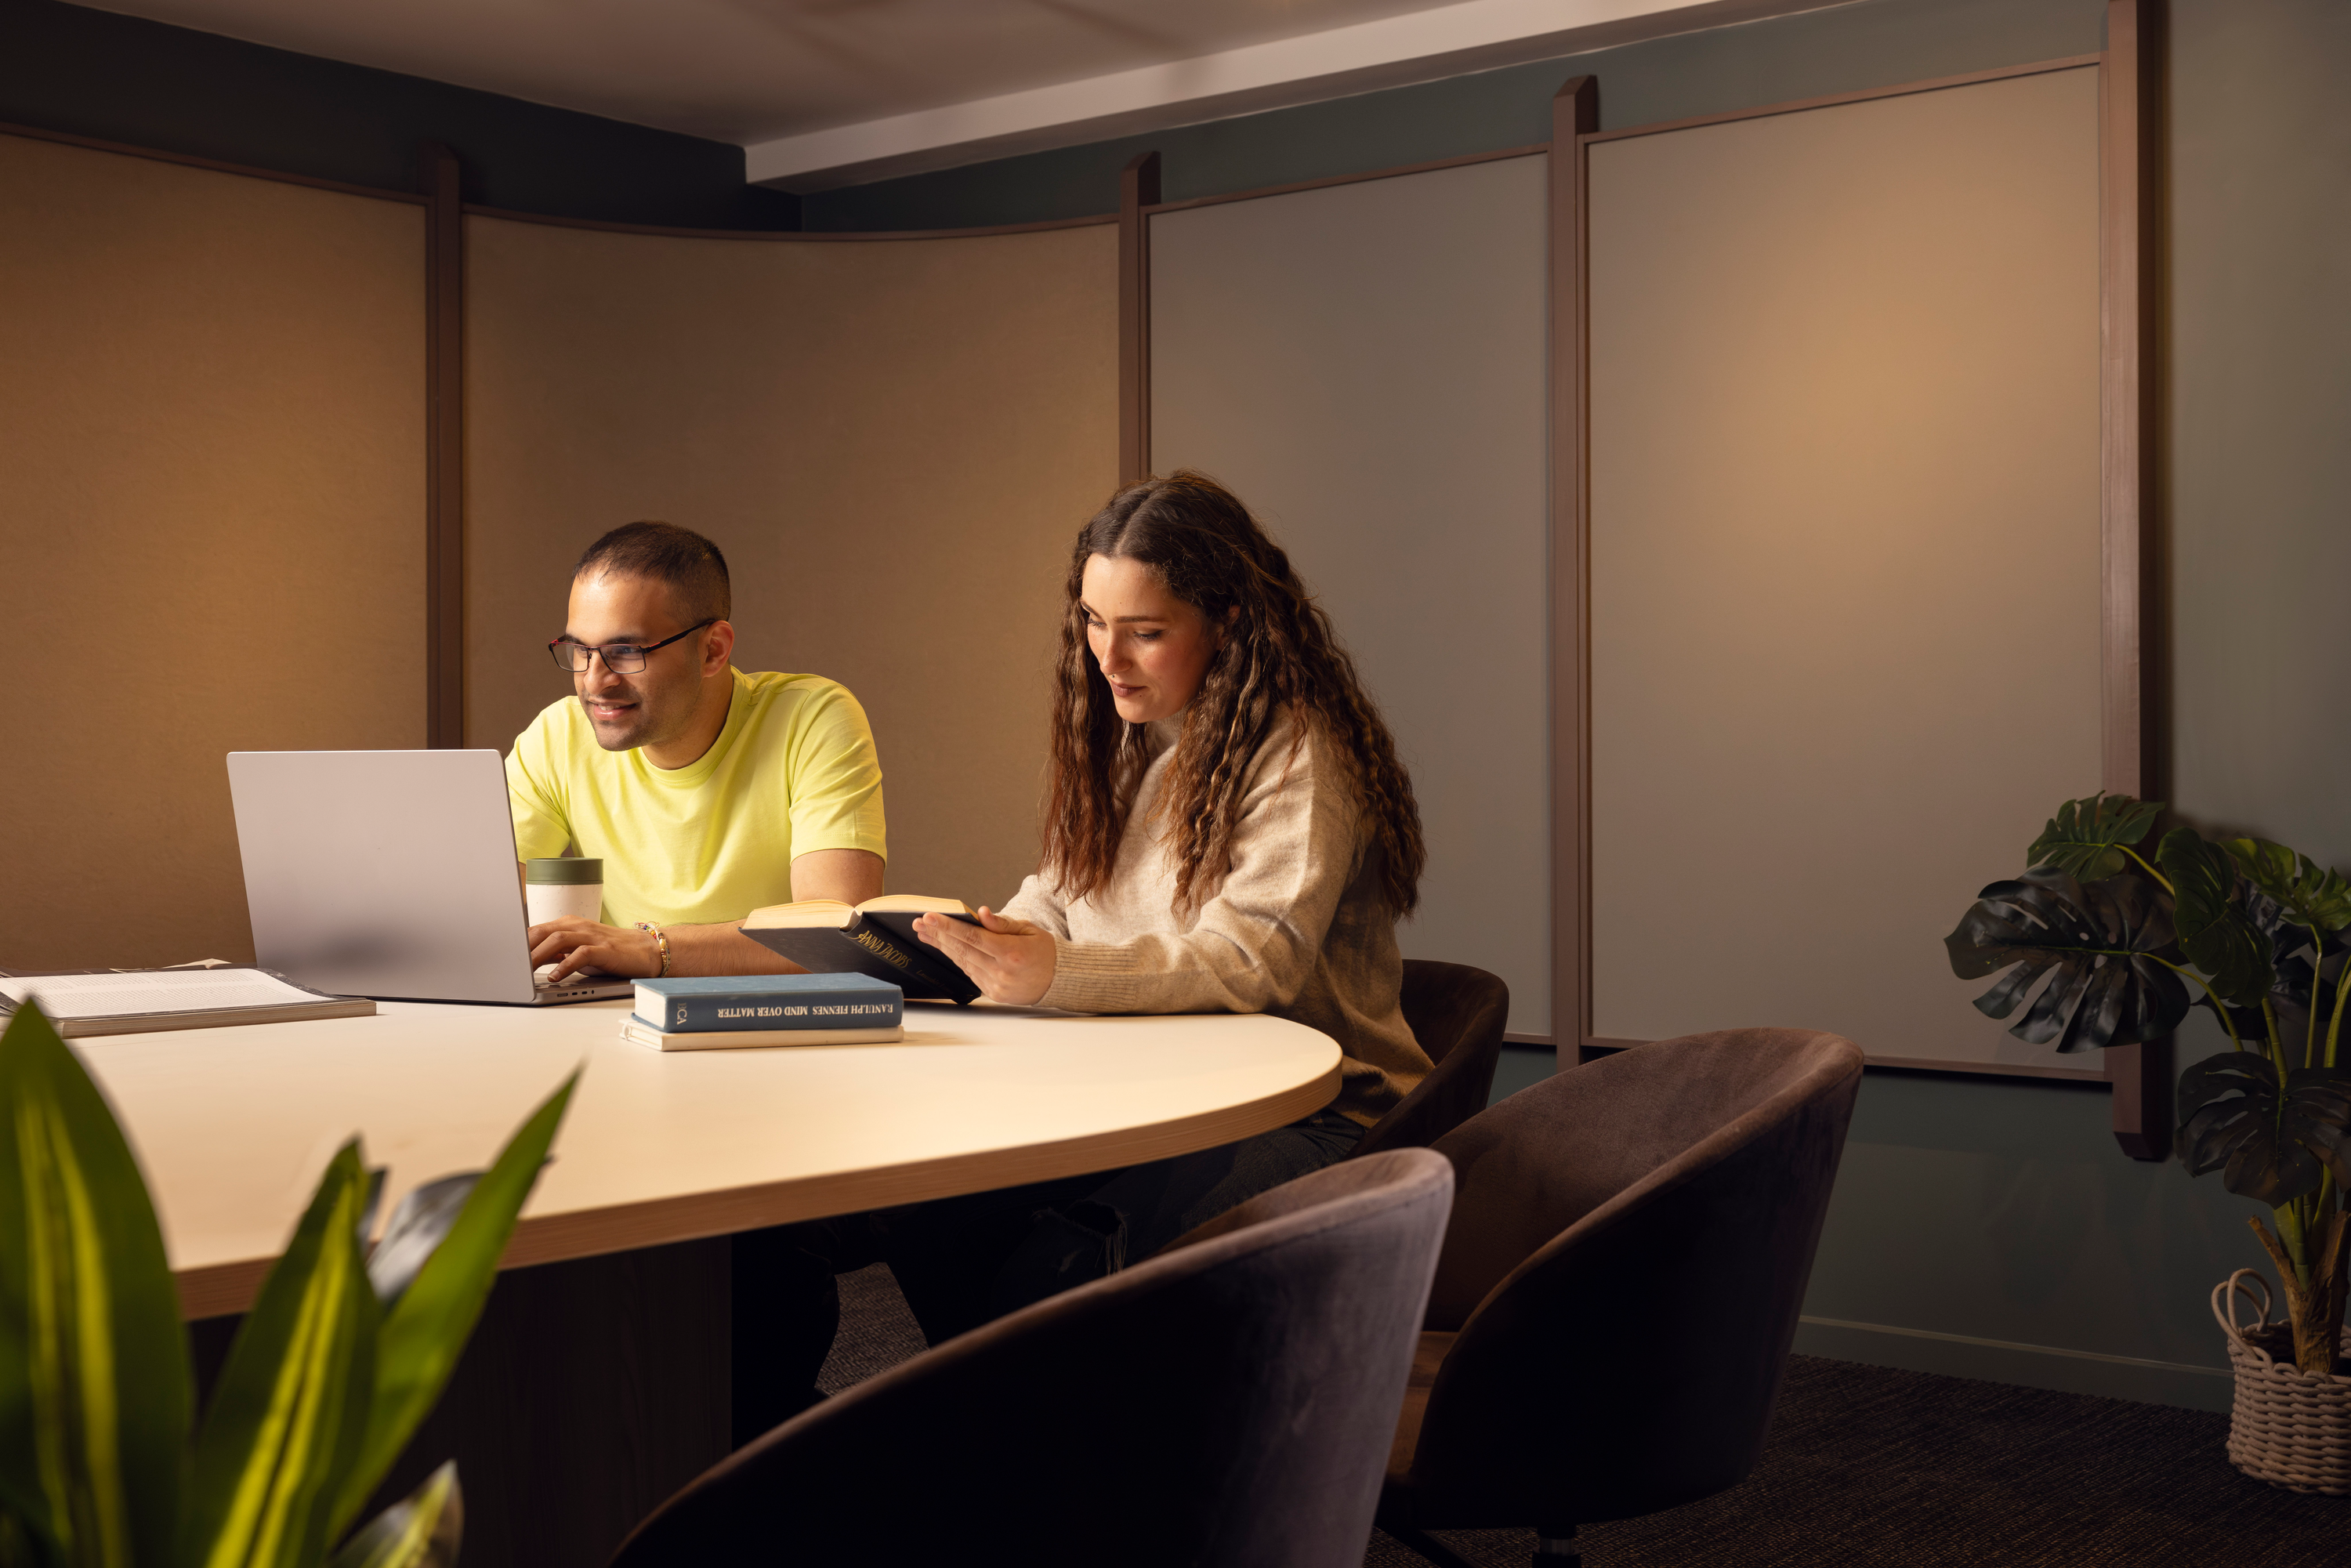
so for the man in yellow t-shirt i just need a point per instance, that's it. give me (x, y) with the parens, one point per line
(708, 793)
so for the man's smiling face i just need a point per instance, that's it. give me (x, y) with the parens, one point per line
(655, 704)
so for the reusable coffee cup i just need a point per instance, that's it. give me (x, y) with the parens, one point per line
(552, 889)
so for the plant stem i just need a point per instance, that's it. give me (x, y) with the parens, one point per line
(2149, 870)
(2221, 1007)
(2317, 960)
(2291, 1234)
(2302, 1210)
(2341, 990)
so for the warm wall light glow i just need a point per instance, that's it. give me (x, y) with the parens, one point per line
(1844, 549)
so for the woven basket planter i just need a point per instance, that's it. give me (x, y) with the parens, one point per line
(2286, 1429)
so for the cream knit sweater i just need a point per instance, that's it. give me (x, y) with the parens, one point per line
(1298, 929)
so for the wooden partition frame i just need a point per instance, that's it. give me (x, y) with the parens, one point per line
(1574, 114)
(2141, 1074)
(440, 176)
(2130, 187)
(1134, 381)
(2132, 744)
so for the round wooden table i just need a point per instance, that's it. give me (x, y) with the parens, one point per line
(598, 1381)
(235, 1125)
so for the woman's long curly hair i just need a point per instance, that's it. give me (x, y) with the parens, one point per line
(1279, 656)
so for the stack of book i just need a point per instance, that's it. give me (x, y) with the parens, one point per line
(725, 1013)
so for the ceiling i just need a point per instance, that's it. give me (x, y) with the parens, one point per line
(828, 92)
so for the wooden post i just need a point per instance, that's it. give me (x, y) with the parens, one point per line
(1138, 187)
(1574, 112)
(2130, 194)
(444, 447)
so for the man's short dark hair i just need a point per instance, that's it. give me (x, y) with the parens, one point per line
(690, 564)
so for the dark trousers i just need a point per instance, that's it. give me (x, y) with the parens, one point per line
(964, 1261)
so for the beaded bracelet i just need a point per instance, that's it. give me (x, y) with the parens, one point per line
(662, 938)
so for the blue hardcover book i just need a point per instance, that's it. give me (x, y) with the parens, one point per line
(730, 1003)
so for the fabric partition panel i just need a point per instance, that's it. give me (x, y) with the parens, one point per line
(212, 538)
(1363, 365)
(895, 442)
(1843, 540)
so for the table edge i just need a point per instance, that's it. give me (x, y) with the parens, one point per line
(219, 1289)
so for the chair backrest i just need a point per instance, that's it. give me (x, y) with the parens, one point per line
(1457, 1014)
(1230, 1401)
(1627, 1255)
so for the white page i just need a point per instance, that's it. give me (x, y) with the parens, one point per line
(152, 991)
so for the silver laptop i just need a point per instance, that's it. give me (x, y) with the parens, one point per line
(389, 874)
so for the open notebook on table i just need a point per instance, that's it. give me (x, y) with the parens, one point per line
(133, 1001)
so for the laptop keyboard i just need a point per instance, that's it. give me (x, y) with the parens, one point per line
(539, 981)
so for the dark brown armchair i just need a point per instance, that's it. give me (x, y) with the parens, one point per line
(1226, 1401)
(1627, 1255)
(1457, 1014)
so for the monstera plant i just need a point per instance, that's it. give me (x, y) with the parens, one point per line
(102, 1463)
(2258, 931)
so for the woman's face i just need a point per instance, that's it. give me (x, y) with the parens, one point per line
(1154, 649)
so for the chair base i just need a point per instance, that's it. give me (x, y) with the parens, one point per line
(1555, 1547)
(1426, 1545)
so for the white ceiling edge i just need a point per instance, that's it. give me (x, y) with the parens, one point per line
(1394, 51)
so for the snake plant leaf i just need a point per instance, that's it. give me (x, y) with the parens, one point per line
(418, 1224)
(2313, 895)
(2216, 930)
(2095, 943)
(94, 1384)
(371, 1204)
(2084, 839)
(427, 1327)
(419, 1532)
(290, 1414)
(2271, 1140)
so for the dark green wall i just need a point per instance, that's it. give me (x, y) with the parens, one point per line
(1989, 1227)
(121, 78)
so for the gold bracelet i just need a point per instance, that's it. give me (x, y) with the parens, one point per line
(662, 938)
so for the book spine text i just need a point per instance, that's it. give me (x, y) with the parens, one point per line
(676, 1014)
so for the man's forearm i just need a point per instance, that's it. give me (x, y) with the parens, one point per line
(722, 950)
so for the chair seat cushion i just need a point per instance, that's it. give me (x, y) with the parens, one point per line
(1426, 1357)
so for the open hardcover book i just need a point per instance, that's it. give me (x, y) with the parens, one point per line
(826, 936)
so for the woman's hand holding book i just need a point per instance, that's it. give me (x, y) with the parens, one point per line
(1009, 960)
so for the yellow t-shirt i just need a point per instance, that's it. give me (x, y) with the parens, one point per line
(793, 771)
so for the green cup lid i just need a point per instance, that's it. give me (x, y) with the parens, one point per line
(569, 871)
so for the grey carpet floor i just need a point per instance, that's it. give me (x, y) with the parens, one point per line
(1870, 1467)
(876, 1333)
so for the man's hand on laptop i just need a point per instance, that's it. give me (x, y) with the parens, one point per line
(575, 945)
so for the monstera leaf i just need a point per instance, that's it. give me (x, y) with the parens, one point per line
(2295, 975)
(2216, 930)
(2310, 894)
(2095, 941)
(2084, 839)
(2271, 1141)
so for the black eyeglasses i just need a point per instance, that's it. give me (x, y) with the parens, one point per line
(621, 658)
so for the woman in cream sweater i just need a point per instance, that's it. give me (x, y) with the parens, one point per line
(1228, 830)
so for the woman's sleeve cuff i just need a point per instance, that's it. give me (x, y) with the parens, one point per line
(1090, 977)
